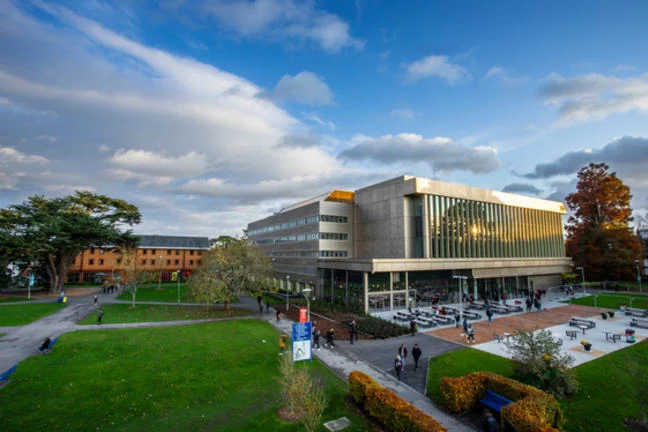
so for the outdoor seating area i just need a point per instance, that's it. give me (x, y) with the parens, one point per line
(642, 313)
(582, 323)
(639, 322)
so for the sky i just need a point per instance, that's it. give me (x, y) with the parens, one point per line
(210, 114)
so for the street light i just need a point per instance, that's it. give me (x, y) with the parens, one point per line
(582, 276)
(638, 276)
(287, 292)
(307, 291)
(178, 277)
(461, 278)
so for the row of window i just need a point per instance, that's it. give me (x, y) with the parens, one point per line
(334, 253)
(302, 237)
(293, 254)
(302, 221)
(153, 251)
(168, 262)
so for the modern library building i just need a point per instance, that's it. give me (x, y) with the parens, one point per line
(412, 239)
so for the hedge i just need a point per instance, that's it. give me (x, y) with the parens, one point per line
(388, 408)
(532, 410)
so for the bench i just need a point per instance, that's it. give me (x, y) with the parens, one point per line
(475, 305)
(577, 321)
(5, 375)
(639, 322)
(401, 316)
(636, 312)
(499, 309)
(571, 334)
(425, 322)
(472, 315)
(443, 319)
(494, 401)
(515, 308)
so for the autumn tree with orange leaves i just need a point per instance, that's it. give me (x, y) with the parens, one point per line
(599, 237)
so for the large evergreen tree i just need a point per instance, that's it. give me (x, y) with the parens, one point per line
(599, 237)
(54, 231)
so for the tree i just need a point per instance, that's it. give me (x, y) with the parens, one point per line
(303, 397)
(538, 361)
(54, 231)
(598, 234)
(231, 268)
(133, 275)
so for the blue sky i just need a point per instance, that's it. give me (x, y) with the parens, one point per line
(210, 114)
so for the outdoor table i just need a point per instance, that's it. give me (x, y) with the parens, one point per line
(583, 327)
(507, 336)
(611, 336)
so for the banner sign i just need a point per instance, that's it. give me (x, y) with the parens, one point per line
(301, 341)
(303, 314)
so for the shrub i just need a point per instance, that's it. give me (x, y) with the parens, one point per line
(531, 410)
(388, 408)
(303, 397)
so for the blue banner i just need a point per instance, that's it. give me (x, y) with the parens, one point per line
(301, 345)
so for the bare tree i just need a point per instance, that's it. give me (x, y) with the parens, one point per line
(132, 273)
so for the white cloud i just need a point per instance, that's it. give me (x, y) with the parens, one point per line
(441, 153)
(304, 88)
(142, 161)
(17, 167)
(104, 148)
(319, 121)
(48, 138)
(10, 156)
(4, 101)
(404, 114)
(436, 66)
(281, 19)
(594, 96)
(505, 77)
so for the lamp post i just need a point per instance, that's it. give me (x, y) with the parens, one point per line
(582, 276)
(461, 278)
(638, 275)
(178, 277)
(287, 292)
(305, 292)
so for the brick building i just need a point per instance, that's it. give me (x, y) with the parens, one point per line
(155, 253)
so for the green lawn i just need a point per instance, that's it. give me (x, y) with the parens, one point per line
(204, 377)
(612, 301)
(13, 299)
(16, 315)
(168, 292)
(122, 313)
(606, 385)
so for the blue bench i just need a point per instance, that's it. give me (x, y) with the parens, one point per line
(494, 401)
(5, 376)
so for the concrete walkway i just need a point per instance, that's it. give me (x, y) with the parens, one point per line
(22, 342)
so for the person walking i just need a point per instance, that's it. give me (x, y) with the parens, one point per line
(99, 316)
(413, 327)
(529, 302)
(457, 319)
(282, 344)
(330, 338)
(96, 298)
(471, 334)
(465, 325)
(398, 366)
(489, 314)
(353, 332)
(278, 317)
(416, 353)
(402, 352)
(316, 338)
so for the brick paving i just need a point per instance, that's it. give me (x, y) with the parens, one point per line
(511, 323)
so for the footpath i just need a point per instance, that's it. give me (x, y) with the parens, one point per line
(22, 342)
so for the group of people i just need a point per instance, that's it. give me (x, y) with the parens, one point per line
(534, 300)
(401, 359)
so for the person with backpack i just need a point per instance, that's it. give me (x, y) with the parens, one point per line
(416, 353)
(398, 366)
(316, 338)
(330, 338)
(489, 314)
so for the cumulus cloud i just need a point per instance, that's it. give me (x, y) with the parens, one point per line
(505, 77)
(594, 96)
(631, 153)
(440, 153)
(17, 167)
(10, 156)
(304, 88)
(404, 114)
(525, 188)
(284, 19)
(142, 161)
(303, 141)
(436, 66)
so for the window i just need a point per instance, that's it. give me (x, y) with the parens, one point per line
(143, 251)
(191, 252)
(152, 252)
(199, 262)
(190, 262)
(152, 262)
(168, 262)
(101, 262)
(91, 251)
(168, 251)
(119, 261)
(199, 253)
(334, 236)
(177, 252)
(143, 262)
(91, 262)
(336, 219)
(101, 251)
(177, 262)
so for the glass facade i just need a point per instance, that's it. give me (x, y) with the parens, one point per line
(461, 228)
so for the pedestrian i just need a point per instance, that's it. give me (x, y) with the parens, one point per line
(471, 334)
(282, 344)
(96, 299)
(489, 314)
(278, 317)
(316, 338)
(465, 326)
(504, 299)
(398, 366)
(457, 319)
(402, 352)
(45, 345)
(538, 305)
(330, 338)
(413, 327)
(261, 308)
(99, 316)
(267, 306)
(416, 353)
(529, 302)
(353, 332)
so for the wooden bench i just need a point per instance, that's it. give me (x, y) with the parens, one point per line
(4, 377)
(577, 321)
(639, 322)
(425, 322)
(472, 315)
(494, 401)
(636, 312)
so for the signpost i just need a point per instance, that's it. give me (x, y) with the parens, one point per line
(301, 345)
(303, 314)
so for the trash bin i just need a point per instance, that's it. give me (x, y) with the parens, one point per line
(630, 335)
(622, 307)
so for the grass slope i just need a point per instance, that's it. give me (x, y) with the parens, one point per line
(16, 315)
(168, 292)
(217, 376)
(13, 299)
(612, 301)
(122, 313)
